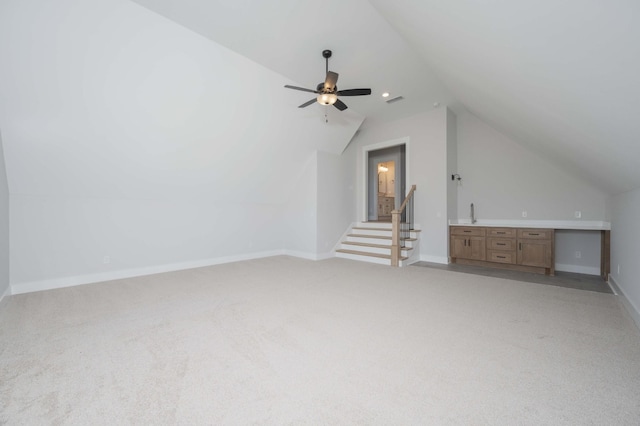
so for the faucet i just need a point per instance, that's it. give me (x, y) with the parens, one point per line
(473, 215)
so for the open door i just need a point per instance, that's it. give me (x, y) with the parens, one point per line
(386, 182)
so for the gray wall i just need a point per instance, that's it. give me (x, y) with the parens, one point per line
(4, 225)
(425, 136)
(503, 178)
(625, 248)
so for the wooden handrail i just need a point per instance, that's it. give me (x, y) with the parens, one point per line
(395, 229)
(406, 199)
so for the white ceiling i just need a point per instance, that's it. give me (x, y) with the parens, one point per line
(560, 77)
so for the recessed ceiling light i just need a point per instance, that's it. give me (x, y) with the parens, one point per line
(385, 95)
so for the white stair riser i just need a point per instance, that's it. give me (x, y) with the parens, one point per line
(376, 232)
(378, 241)
(381, 232)
(381, 225)
(364, 258)
(376, 250)
(370, 240)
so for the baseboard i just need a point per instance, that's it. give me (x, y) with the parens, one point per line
(577, 269)
(7, 292)
(28, 287)
(434, 259)
(307, 255)
(631, 308)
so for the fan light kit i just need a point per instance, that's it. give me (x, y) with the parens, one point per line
(328, 92)
(327, 98)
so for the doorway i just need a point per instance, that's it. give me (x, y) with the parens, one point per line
(386, 181)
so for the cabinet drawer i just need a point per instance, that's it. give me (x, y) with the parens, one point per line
(469, 231)
(535, 234)
(501, 244)
(502, 232)
(501, 256)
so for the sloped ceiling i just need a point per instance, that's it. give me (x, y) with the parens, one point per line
(108, 99)
(559, 77)
(101, 88)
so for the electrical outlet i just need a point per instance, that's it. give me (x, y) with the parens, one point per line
(524, 213)
(106, 260)
(578, 255)
(578, 214)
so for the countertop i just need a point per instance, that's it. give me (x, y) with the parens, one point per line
(581, 225)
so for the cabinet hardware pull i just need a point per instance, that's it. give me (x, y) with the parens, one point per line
(466, 231)
(501, 257)
(531, 233)
(465, 242)
(501, 233)
(520, 248)
(500, 244)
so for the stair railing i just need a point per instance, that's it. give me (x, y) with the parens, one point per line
(401, 226)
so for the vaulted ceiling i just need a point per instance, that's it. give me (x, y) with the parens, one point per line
(112, 95)
(560, 77)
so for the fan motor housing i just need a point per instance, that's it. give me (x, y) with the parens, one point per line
(320, 88)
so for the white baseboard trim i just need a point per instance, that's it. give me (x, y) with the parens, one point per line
(631, 308)
(577, 269)
(434, 259)
(307, 255)
(31, 286)
(7, 292)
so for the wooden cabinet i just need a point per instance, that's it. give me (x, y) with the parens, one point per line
(524, 249)
(385, 206)
(535, 247)
(468, 243)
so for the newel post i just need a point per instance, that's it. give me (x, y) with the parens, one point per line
(395, 238)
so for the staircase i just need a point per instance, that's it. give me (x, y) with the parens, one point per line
(371, 242)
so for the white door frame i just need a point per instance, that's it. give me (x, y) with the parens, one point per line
(365, 169)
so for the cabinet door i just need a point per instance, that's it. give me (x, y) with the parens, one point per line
(458, 247)
(534, 253)
(477, 248)
(468, 247)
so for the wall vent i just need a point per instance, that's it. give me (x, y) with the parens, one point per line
(396, 99)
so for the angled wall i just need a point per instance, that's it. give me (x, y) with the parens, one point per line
(4, 226)
(134, 145)
(625, 247)
(502, 178)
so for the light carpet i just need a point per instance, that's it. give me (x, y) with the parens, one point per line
(289, 341)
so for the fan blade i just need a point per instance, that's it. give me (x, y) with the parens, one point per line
(340, 105)
(300, 88)
(353, 92)
(306, 104)
(331, 80)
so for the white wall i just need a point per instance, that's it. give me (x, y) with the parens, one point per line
(126, 135)
(336, 194)
(452, 165)
(625, 248)
(301, 212)
(4, 226)
(426, 136)
(503, 179)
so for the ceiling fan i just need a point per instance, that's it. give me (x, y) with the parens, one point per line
(328, 91)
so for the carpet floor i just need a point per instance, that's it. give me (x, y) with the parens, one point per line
(282, 340)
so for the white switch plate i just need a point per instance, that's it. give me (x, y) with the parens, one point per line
(578, 255)
(578, 214)
(106, 260)
(524, 213)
